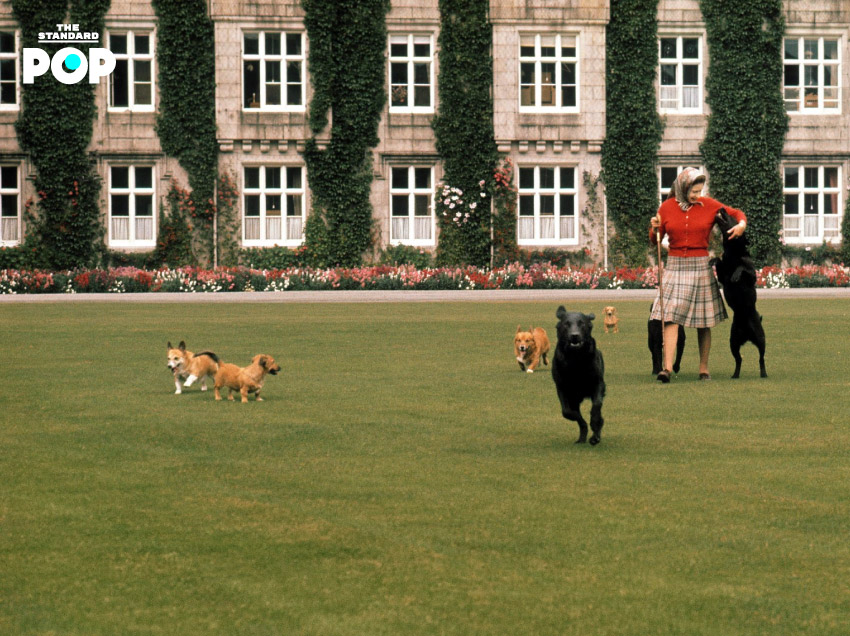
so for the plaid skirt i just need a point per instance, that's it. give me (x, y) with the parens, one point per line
(691, 295)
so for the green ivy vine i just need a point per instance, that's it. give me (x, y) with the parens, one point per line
(64, 229)
(347, 67)
(743, 144)
(186, 121)
(634, 129)
(463, 126)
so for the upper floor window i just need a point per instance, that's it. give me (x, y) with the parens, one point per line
(548, 72)
(273, 209)
(812, 72)
(131, 206)
(10, 210)
(131, 84)
(412, 217)
(680, 74)
(8, 70)
(668, 176)
(812, 211)
(548, 206)
(411, 73)
(273, 70)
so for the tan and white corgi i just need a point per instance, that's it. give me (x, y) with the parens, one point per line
(192, 367)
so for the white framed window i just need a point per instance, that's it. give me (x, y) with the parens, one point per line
(131, 84)
(813, 205)
(273, 71)
(680, 74)
(548, 73)
(10, 205)
(812, 75)
(412, 220)
(273, 206)
(411, 73)
(667, 176)
(9, 70)
(132, 206)
(548, 206)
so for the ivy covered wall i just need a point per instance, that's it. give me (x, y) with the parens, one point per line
(65, 228)
(634, 129)
(743, 144)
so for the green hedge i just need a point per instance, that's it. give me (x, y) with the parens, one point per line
(743, 144)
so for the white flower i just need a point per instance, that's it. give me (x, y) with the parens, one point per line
(472, 206)
(483, 194)
(451, 206)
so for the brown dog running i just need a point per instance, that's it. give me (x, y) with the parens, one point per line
(185, 364)
(246, 380)
(530, 347)
(610, 319)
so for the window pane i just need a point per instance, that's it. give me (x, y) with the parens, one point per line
(8, 177)
(400, 205)
(252, 44)
(568, 73)
(568, 205)
(7, 70)
(142, 70)
(526, 72)
(252, 205)
(668, 74)
(120, 178)
(398, 47)
(568, 96)
(526, 206)
(792, 204)
(144, 178)
(272, 205)
(142, 43)
(830, 177)
(293, 94)
(547, 178)
(8, 93)
(9, 205)
(690, 48)
(7, 42)
(668, 48)
(252, 84)
(421, 74)
(422, 96)
(120, 205)
(272, 178)
(811, 177)
(690, 75)
(422, 47)
(792, 49)
(792, 177)
(810, 49)
(668, 176)
(293, 178)
(273, 44)
(252, 178)
(421, 203)
(119, 80)
(293, 44)
(568, 46)
(273, 94)
(399, 179)
(830, 203)
(810, 204)
(144, 205)
(830, 49)
(526, 178)
(118, 43)
(792, 75)
(422, 178)
(398, 73)
(526, 46)
(547, 46)
(568, 178)
(547, 205)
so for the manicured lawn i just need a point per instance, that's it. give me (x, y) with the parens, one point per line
(404, 477)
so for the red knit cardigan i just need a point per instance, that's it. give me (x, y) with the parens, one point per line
(689, 231)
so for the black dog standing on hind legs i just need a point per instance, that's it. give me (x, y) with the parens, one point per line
(578, 371)
(737, 273)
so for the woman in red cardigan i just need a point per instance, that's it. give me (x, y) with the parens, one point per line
(691, 294)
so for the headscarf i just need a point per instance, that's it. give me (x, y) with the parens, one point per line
(682, 185)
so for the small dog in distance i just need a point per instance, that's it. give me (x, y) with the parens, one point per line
(530, 347)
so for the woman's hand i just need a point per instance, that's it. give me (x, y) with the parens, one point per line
(655, 222)
(738, 230)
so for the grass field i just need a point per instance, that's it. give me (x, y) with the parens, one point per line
(403, 476)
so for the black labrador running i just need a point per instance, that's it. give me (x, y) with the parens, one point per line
(578, 371)
(737, 273)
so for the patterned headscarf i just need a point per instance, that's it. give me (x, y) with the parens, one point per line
(682, 185)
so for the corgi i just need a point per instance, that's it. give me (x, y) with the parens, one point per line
(246, 380)
(185, 364)
(530, 347)
(610, 319)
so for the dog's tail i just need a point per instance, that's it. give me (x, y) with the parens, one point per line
(210, 354)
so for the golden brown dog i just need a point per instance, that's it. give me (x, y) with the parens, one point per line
(246, 380)
(185, 364)
(530, 347)
(610, 320)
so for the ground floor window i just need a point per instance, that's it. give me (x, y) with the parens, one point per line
(10, 210)
(412, 209)
(132, 206)
(273, 206)
(548, 206)
(812, 212)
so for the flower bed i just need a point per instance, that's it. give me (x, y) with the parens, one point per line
(382, 277)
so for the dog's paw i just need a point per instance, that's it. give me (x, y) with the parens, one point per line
(529, 370)
(594, 440)
(203, 387)
(178, 392)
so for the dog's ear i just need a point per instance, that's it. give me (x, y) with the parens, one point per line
(262, 361)
(590, 316)
(518, 328)
(182, 346)
(561, 312)
(169, 345)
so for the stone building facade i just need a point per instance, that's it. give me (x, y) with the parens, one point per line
(549, 118)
